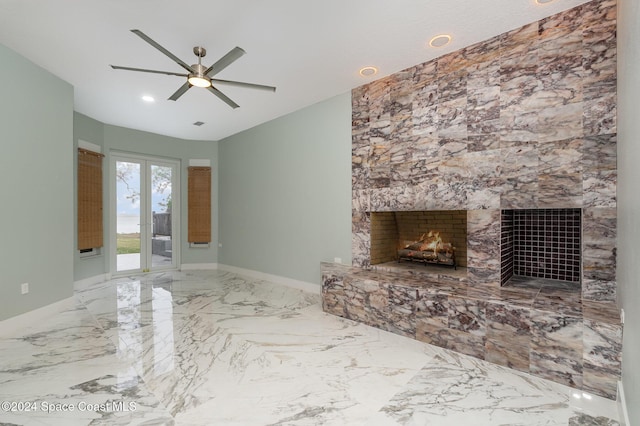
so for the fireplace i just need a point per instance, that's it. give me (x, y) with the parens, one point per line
(420, 237)
(541, 244)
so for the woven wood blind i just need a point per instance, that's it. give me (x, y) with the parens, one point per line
(199, 205)
(89, 199)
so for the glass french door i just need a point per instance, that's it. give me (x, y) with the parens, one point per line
(145, 213)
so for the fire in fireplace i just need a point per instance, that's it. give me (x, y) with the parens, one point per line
(429, 249)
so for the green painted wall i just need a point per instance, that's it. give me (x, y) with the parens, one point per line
(629, 198)
(36, 170)
(285, 193)
(120, 139)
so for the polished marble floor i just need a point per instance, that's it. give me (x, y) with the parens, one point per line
(216, 348)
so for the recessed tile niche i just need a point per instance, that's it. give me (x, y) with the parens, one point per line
(542, 244)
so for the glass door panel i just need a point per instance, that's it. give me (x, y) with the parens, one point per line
(128, 216)
(162, 215)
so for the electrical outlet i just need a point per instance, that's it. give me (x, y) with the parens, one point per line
(24, 288)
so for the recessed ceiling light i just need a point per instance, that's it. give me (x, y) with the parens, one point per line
(543, 1)
(368, 71)
(148, 98)
(440, 40)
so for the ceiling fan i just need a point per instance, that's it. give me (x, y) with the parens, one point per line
(198, 75)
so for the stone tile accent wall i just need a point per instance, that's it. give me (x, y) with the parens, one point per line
(525, 120)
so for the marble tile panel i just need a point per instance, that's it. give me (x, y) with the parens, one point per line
(509, 350)
(451, 66)
(425, 149)
(401, 128)
(360, 249)
(433, 309)
(505, 319)
(599, 290)
(599, 245)
(400, 316)
(400, 151)
(599, 152)
(357, 293)
(599, 116)
(560, 190)
(567, 302)
(441, 196)
(559, 157)
(360, 177)
(360, 201)
(520, 192)
(380, 176)
(452, 118)
(599, 57)
(360, 150)
(425, 121)
(451, 86)
(569, 20)
(556, 347)
(361, 222)
(603, 351)
(425, 73)
(483, 110)
(483, 239)
(600, 188)
(468, 315)
(381, 200)
(560, 46)
(606, 312)
(404, 198)
(483, 142)
(599, 15)
(518, 53)
(448, 338)
(557, 121)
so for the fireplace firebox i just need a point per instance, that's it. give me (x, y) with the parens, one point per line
(421, 237)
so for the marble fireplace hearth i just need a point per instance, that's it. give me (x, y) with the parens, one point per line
(525, 120)
(547, 332)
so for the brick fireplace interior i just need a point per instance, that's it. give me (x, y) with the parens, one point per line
(395, 230)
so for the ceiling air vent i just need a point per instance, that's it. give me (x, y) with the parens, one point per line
(198, 123)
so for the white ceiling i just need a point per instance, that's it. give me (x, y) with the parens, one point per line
(310, 50)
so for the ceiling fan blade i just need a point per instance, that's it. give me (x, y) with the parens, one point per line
(241, 84)
(223, 97)
(233, 55)
(116, 67)
(180, 91)
(163, 50)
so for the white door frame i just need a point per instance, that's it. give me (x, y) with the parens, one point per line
(146, 224)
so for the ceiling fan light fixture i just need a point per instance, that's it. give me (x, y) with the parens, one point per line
(199, 81)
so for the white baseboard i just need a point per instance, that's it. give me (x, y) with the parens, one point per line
(88, 282)
(15, 324)
(622, 406)
(196, 266)
(289, 282)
